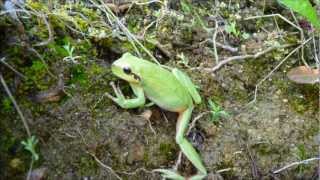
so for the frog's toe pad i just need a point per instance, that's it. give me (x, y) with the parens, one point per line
(170, 174)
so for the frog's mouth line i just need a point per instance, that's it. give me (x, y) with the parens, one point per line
(136, 77)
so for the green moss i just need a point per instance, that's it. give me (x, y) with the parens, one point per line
(267, 149)
(168, 150)
(95, 70)
(36, 5)
(36, 75)
(6, 142)
(146, 158)
(88, 166)
(7, 105)
(79, 75)
(298, 105)
(301, 98)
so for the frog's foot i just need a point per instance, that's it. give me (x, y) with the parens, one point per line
(170, 174)
(119, 99)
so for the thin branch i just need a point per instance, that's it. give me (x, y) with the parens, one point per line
(271, 72)
(316, 58)
(105, 166)
(222, 46)
(131, 37)
(193, 123)
(136, 171)
(214, 44)
(301, 38)
(289, 22)
(24, 121)
(43, 61)
(243, 57)
(227, 47)
(35, 13)
(149, 2)
(50, 34)
(306, 161)
(30, 169)
(2, 60)
(157, 44)
(150, 126)
(278, 15)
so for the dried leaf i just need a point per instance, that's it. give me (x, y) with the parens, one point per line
(54, 94)
(304, 75)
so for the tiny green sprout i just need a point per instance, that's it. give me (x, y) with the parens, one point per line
(70, 57)
(183, 60)
(216, 111)
(245, 35)
(30, 145)
(300, 152)
(231, 29)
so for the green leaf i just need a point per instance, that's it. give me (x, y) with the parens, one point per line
(30, 145)
(304, 8)
(216, 112)
(185, 6)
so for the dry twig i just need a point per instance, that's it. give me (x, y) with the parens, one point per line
(2, 60)
(274, 69)
(6, 88)
(105, 166)
(289, 22)
(243, 57)
(306, 161)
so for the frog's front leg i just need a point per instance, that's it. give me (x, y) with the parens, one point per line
(187, 149)
(128, 103)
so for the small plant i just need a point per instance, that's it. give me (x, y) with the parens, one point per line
(301, 153)
(30, 145)
(245, 35)
(216, 112)
(231, 29)
(183, 60)
(70, 57)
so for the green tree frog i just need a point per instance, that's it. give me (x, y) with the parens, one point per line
(172, 91)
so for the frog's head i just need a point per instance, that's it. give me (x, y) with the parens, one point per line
(126, 69)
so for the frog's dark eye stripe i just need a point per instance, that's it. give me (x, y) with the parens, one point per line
(127, 70)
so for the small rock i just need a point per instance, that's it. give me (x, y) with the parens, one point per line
(136, 153)
(317, 139)
(38, 174)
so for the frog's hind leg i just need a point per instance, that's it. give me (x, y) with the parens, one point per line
(186, 147)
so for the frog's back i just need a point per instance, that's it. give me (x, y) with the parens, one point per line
(162, 88)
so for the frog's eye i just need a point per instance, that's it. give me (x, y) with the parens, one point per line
(127, 70)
